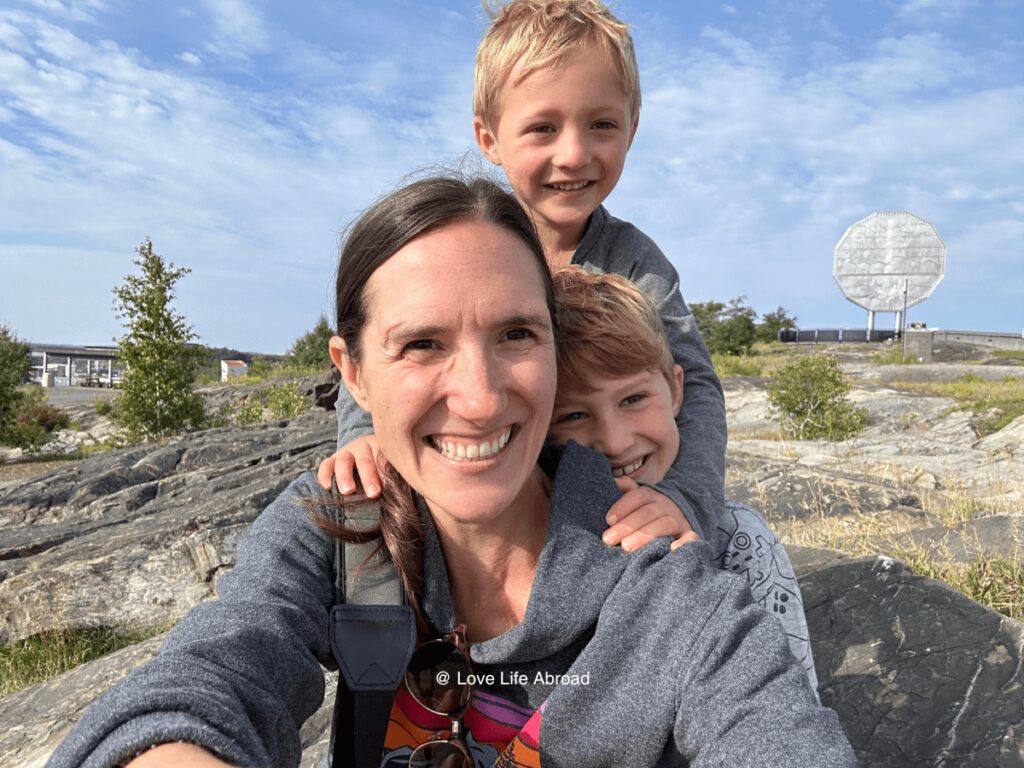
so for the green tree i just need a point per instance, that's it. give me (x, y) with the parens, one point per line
(14, 366)
(160, 365)
(728, 329)
(773, 322)
(809, 399)
(310, 350)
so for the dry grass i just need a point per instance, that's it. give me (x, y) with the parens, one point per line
(994, 404)
(992, 580)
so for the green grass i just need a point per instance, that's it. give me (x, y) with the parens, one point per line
(993, 403)
(997, 582)
(892, 356)
(46, 655)
(735, 365)
(1013, 354)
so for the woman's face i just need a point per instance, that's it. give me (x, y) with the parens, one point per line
(458, 367)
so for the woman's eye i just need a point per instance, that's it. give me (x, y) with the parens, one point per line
(634, 399)
(518, 334)
(419, 344)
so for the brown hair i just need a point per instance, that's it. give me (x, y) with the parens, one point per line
(535, 34)
(608, 328)
(379, 233)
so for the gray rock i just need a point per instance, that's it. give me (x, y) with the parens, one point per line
(150, 524)
(919, 674)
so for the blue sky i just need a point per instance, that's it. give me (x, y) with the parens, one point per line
(242, 137)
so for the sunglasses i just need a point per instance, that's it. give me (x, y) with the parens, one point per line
(438, 678)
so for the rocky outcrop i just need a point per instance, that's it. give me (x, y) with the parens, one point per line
(138, 536)
(919, 674)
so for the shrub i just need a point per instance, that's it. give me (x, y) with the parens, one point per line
(33, 422)
(250, 412)
(285, 401)
(809, 399)
(14, 366)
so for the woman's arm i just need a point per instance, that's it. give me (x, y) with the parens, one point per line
(237, 676)
(741, 693)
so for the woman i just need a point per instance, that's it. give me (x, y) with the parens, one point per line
(581, 654)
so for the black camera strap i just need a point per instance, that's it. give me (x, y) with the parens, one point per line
(373, 635)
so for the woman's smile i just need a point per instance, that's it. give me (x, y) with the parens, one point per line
(461, 392)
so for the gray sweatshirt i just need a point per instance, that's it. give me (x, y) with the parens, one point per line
(696, 480)
(682, 669)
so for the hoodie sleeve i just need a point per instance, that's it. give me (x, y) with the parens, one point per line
(239, 675)
(353, 421)
(696, 480)
(743, 699)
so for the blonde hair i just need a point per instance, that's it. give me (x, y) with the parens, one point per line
(607, 328)
(535, 34)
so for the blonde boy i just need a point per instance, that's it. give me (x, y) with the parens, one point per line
(557, 103)
(619, 392)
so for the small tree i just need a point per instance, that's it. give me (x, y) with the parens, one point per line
(809, 398)
(728, 329)
(156, 393)
(311, 349)
(14, 367)
(773, 322)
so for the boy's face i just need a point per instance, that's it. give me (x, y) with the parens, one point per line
(561, 136)
(631, 420)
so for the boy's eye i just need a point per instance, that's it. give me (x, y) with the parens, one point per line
(605, 125)
(568, 418)
(542, 129)
(634, 399)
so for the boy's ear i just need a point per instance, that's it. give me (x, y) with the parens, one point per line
(486, 140)
(349, 371)
(677, 389)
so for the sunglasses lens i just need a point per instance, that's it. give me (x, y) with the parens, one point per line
(439, 754)
(438, 677)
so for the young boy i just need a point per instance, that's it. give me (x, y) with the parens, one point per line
(556, 103)
(619, 392)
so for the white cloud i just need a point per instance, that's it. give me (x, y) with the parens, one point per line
(190, 58)
(239, 29)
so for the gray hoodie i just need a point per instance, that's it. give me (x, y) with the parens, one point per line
(682, 668)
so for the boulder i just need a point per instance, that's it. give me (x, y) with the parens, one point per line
(919, 674)
(153, 525)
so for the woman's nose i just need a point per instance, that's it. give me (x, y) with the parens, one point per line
(477, 391)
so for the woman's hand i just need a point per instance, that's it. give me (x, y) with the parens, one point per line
(177, 755)
(358, 456)
(642, 515)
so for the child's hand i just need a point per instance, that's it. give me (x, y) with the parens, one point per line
(642, 515)
(359, 455)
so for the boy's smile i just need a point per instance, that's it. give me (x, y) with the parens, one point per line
(561, 136)
(630, 419)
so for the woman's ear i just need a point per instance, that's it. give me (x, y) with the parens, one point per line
(486, 140)
(349, 371)
(676, 384)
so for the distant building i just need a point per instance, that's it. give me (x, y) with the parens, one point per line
(230, 369)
